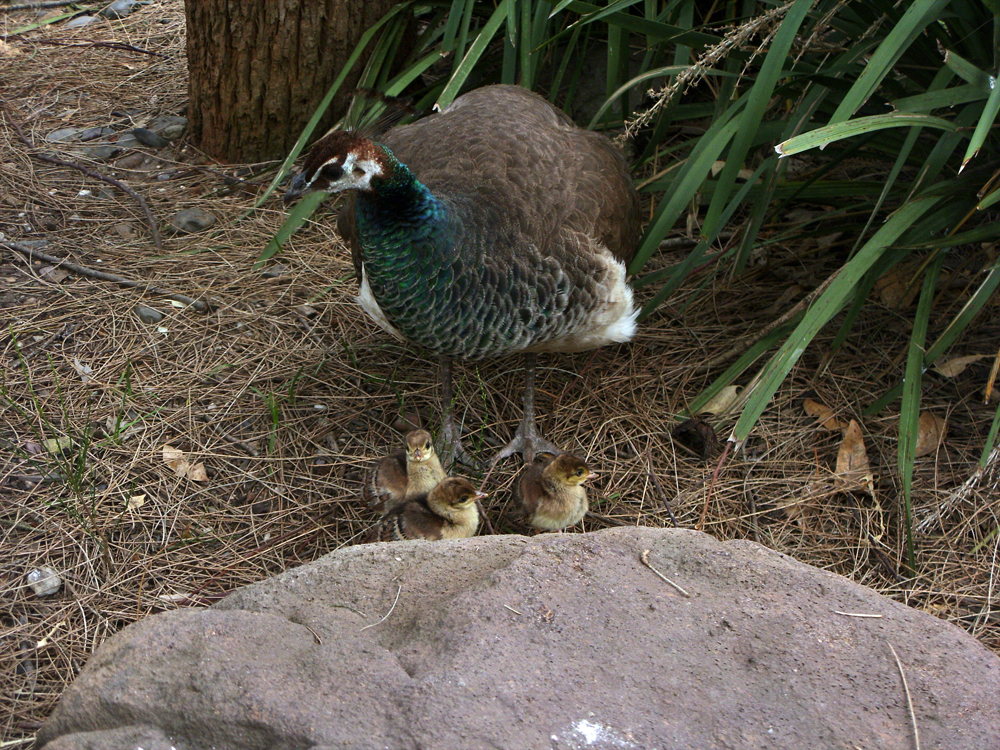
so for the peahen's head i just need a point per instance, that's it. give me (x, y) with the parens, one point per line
(340, 161)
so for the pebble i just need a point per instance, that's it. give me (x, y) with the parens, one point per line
(149, 138)
(120, 8)
(273, 272)
(101, 153)
(170, 127)
(192, 220)
(148, 315)
(44, 581)
(63, 134)
(79, 22)
(91, 133)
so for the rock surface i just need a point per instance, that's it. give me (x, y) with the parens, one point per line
(557, 641)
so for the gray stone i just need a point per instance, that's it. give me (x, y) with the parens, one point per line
(149, 138)
(148, 315)
(192, 220)
(120, 8)
(64, 134)
(92, 133)
(79, 22)
(101, 153)
(127, 140)
(170, 127)
(555, 641)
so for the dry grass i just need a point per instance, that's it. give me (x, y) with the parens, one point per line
(286, 410)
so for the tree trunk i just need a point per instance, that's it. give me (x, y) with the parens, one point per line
(258, 68)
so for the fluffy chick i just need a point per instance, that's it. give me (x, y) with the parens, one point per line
(404, 474)
(552, 492)
(448, 511)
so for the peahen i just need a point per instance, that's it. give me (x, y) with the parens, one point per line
(493, 227)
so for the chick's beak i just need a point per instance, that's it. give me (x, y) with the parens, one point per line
(591, 475)
(296, 189)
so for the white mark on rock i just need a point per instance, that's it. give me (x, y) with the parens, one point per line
(588, 733)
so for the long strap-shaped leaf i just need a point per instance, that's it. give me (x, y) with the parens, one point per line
(918, 15)
(909, 412)
(829, 303)
(476, 50)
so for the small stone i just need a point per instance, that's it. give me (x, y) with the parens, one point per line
(91, 133)
(149, 138)
(79, 22)
(101, 153)
(126, 231)
(170, 127)
(44, 581)
(127, 140)
(119, 8)
(192, 220)
(64, 134)
(148, 315)
(132, 161)
(34, 244)
(273, 272)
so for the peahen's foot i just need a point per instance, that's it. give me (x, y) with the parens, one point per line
(451, 450)
(528, 443)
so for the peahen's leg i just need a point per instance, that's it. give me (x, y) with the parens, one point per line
(526, 440)
(451, 449)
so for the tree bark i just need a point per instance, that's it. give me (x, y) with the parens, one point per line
(258, 68)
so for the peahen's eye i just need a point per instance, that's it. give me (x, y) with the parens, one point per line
(332, 172)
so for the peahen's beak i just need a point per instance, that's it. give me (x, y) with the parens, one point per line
(296, 189)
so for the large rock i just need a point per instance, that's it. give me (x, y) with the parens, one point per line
(556, 641)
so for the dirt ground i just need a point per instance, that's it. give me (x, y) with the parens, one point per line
(285, 392)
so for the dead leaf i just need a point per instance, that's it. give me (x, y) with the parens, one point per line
(956, 366)
(176, 460)
(84, 370)
(824, 415)
(722, 401)
(197, 473)
(931, 430)
(894, 288)
(135, 502)
(57, 445)
(7, 51)
(853, 469)
(53, 274)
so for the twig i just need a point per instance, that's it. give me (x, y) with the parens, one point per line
(199, 305)
(659, 487)
(909, 700)
(743, 344)
(644, 557)
(109, 45)
(486, 518)
(227, 437)
(711, 486)
(855, 614)
(386, 614)
(40, 5)
(150, 219)
(512, 609)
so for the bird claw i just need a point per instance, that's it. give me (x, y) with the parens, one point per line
(528, 443)
(451, 450)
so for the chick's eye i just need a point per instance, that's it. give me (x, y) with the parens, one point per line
(332, 171)
(579, 472)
